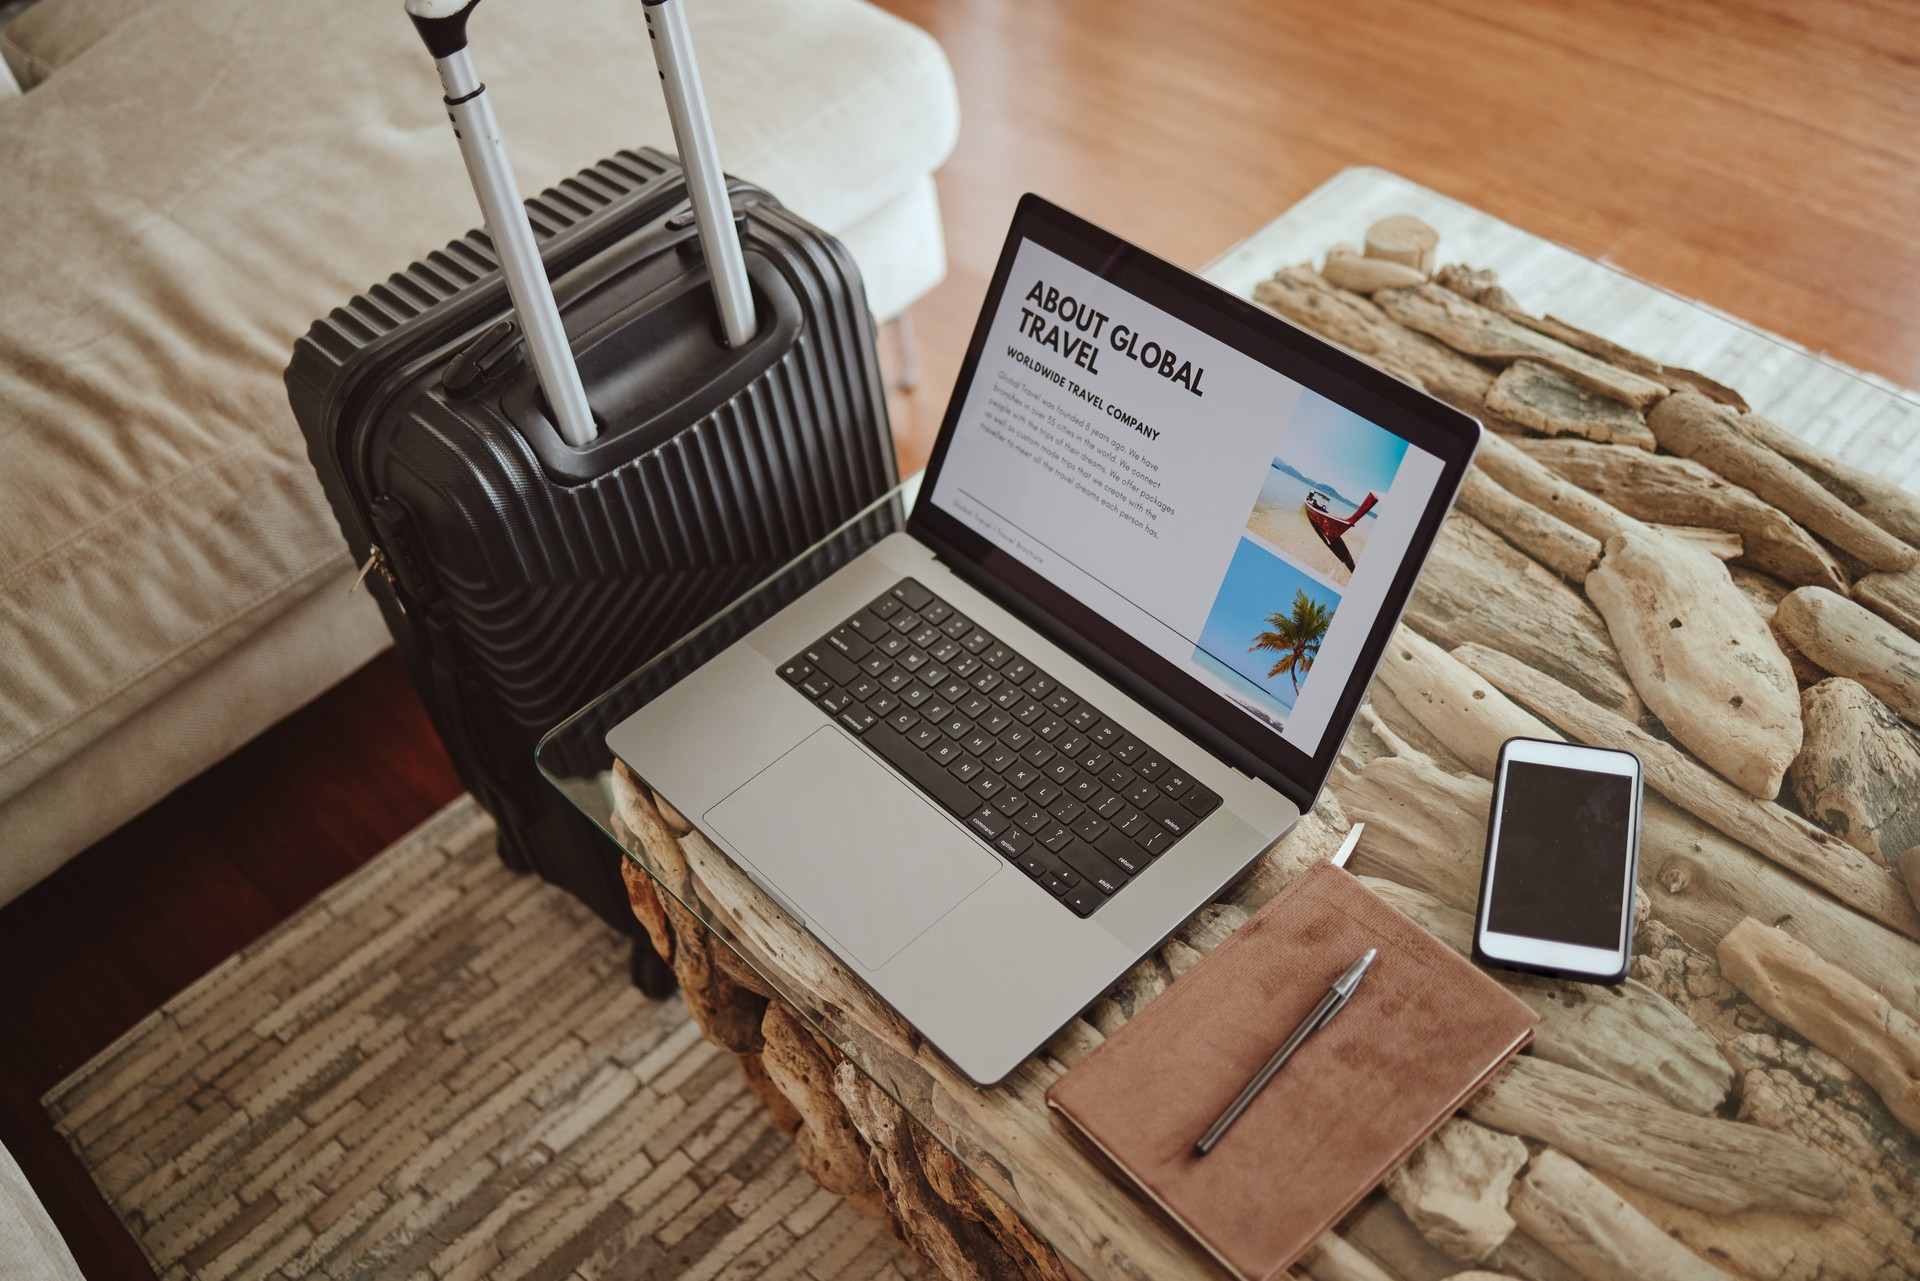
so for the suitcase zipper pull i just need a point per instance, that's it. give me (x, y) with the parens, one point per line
(377, 559)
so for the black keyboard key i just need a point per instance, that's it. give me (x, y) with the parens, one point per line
(1064, 810)
(1008, 697)
(816, 686)
(1095, 762)
(850, 643)
(1028, 712)
(1130, 859)
(936, 613)
(1175, 784)
(999, 758)
(957, 626)
(956, 726)
(893, 647)
(1171, 815)
(975, 641)
(1090, 827)
(988, 821)
(1201, 801)
(1019, 671)
(980, 743)
(1094, 867)
(1037, 754)
(1132, 823)
(1044, 794)
(973, 705)
(1084, 900)
(996, 656)
(905, 623)
(1150, 767)
(923, 736)
(965, 665)
(1010, 802)
(1040, 686)
(858, 719)
(1062, 702)
(883, 704)
(946, 651)
(1022, 775)
(952, 689)
(1142, 793)
(1056, 837)
(1119, 850)
(1107, 804)
(903, 720)
(986, 680)
(966, 769)
(1062, 770)
(886, 607)
(1106, 733)
(1155, 842)
(925, 636)
(1036, 863)
(1017, 738)
(1050, 727)
(912, 659)
(915, 694)
(1118, 777)
(1072, 745)
(936, 710)
(835, 701)
(1083, 718)
(988, 786)
(1127, 749)
(922, 770)
(995, 721)
(832, 664)
(796, 670)
(864, 688)
(1031, 819)
(896, 678)
(911, 594)
(867, 625)
(1085, 788)
(945, 753)
(1058, 885)
(1012, 843)
(933, 675)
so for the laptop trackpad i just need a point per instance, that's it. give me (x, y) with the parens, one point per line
(861, 854)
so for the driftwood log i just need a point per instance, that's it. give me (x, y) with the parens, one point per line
(1858, 775)
(1735, 1108)
(1663, 489)
(1700, 658)
(1692, 426)
(1848, 641)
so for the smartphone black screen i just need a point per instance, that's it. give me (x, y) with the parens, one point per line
(1560, 858)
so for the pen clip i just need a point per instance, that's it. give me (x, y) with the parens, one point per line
(1345, 852)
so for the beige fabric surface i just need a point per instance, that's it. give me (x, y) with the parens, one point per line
(55, 32)
(187, 193)
(316, 642)
(31, 1248)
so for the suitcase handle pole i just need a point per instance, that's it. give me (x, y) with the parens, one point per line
(443, 26)
(700, 159)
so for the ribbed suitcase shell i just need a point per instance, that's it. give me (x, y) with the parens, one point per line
(526, 577)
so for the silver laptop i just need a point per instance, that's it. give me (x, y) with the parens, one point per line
(1154, 561)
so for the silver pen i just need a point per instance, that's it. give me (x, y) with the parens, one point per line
(1322, 1013)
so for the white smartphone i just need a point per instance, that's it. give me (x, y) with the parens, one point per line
(1563, 849)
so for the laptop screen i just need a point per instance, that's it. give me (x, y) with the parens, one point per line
(1218, 509)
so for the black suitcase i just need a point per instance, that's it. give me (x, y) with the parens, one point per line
(520, 575)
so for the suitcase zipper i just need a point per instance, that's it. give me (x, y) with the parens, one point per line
(377, 560)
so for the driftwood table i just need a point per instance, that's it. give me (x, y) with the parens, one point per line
(1661, 549)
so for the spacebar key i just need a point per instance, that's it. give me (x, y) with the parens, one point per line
(925, 772)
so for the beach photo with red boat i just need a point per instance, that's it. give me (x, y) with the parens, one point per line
(1322, 495)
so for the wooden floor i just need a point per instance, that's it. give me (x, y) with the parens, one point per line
(1756, 154)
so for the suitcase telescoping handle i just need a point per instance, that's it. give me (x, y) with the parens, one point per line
(443, 26)
(700, 159)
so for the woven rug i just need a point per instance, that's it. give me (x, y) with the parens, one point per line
(440, 1070)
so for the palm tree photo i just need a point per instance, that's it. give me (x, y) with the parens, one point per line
(1296, 636)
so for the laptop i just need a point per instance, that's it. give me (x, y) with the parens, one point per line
(1156, 556)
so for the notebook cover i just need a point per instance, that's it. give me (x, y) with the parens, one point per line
(1423, 1030)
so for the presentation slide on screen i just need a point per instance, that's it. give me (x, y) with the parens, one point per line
(1240, 526)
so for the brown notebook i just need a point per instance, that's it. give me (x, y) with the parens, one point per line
(1423, 1030)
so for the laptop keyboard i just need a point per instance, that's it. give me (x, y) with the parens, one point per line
(1054, 785)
